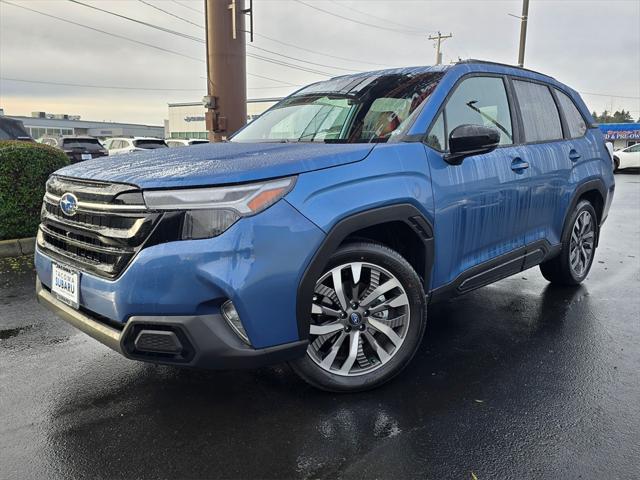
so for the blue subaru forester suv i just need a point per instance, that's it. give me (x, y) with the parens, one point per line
(319, 233)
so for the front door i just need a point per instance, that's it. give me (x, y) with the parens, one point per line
(482, 205)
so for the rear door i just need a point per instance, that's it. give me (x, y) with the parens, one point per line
(553, 132)
(481, 205)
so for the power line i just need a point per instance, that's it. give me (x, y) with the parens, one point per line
(187, 6)
(273, 80)
(115, 35)
(119, 87)
(385, 20)
(140, 22)
(170, 14)
(199, 40)
(609, 95)
(359, 22)
(110, 87)
(289, 65)
(259, 35)
(304, 61)
(122, 37)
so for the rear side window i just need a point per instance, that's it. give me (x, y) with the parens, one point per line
(539, 112)
(575, 121)
(85, 143)
(480, 101)
(150, 144)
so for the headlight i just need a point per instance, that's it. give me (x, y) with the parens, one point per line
(210, 211)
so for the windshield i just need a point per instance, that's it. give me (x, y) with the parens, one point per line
(359, 109)
(84, 143)
(149, 144)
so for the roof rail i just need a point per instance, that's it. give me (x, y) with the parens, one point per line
(488, 62)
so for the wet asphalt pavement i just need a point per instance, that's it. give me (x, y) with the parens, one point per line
(516, 380)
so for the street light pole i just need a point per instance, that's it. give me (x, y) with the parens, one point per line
(523, 31)
(226, 100)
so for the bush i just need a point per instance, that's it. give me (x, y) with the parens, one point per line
(24, 169)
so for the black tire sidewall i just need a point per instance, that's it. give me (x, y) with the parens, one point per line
(402, 270)
(566, 241)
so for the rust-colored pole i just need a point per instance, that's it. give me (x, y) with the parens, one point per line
(226, 68)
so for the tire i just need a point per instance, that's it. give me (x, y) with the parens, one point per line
(616, 164)
(341, 356)
(573, 263)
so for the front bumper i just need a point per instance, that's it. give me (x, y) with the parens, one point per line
(257, 264)
(203, 341)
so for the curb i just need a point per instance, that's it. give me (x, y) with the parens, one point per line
(17, 247)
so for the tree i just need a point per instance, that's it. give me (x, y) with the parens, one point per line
(623, 116)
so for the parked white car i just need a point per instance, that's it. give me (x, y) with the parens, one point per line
(627, 157)
(120, 145)
(184, 142)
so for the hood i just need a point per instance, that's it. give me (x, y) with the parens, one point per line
(216, 163)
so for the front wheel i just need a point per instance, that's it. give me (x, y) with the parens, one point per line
(367, 319)
(578, 248)
(616, 164)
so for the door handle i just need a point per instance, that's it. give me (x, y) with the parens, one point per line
(518, 165)
(573, 155)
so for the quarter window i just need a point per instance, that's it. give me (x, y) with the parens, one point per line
(437, 138)
(540, 116)
(575, 121)
(477, 101)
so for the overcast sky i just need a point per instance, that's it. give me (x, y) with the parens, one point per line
(593, 46)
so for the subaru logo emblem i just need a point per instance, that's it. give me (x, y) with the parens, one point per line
(355, 319)
(69, 204)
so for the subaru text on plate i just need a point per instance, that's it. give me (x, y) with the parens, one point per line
(320, 232)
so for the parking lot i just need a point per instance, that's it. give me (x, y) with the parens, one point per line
(516, 380)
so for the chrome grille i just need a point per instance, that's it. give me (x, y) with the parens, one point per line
(110, 226)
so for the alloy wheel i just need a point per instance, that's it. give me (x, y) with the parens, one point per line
(582, 243)
(360, 318)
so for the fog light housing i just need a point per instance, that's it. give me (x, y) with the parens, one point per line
(230, 314)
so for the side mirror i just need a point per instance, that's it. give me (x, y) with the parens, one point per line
(468, 140)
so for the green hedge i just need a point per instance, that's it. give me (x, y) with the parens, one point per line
(24, 169)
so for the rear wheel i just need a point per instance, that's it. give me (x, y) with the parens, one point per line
(367, 319)
(572, 266)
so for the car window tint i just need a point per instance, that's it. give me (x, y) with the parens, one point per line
(540, 116)
(634, 149)
(575, 121)
(436, 136)
(481, 101)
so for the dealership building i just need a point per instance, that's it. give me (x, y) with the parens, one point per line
(41, 124)
(621, 134)
(186, 120)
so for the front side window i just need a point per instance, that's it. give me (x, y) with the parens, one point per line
(476, 101)
(540, 116)
(575, 121)
(345, 110)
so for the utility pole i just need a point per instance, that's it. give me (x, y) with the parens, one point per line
(226, 100)
(439, 38)
(523, 31)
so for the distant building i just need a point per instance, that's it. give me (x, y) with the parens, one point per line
(186, 120)
(41, 124)
(621, 134)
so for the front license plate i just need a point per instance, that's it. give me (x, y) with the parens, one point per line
(65, 284)
(86, 156)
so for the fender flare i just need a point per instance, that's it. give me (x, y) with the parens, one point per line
(588, 186)
(404, 212)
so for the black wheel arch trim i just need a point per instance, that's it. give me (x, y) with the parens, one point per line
(404, 212)
(588, 186)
